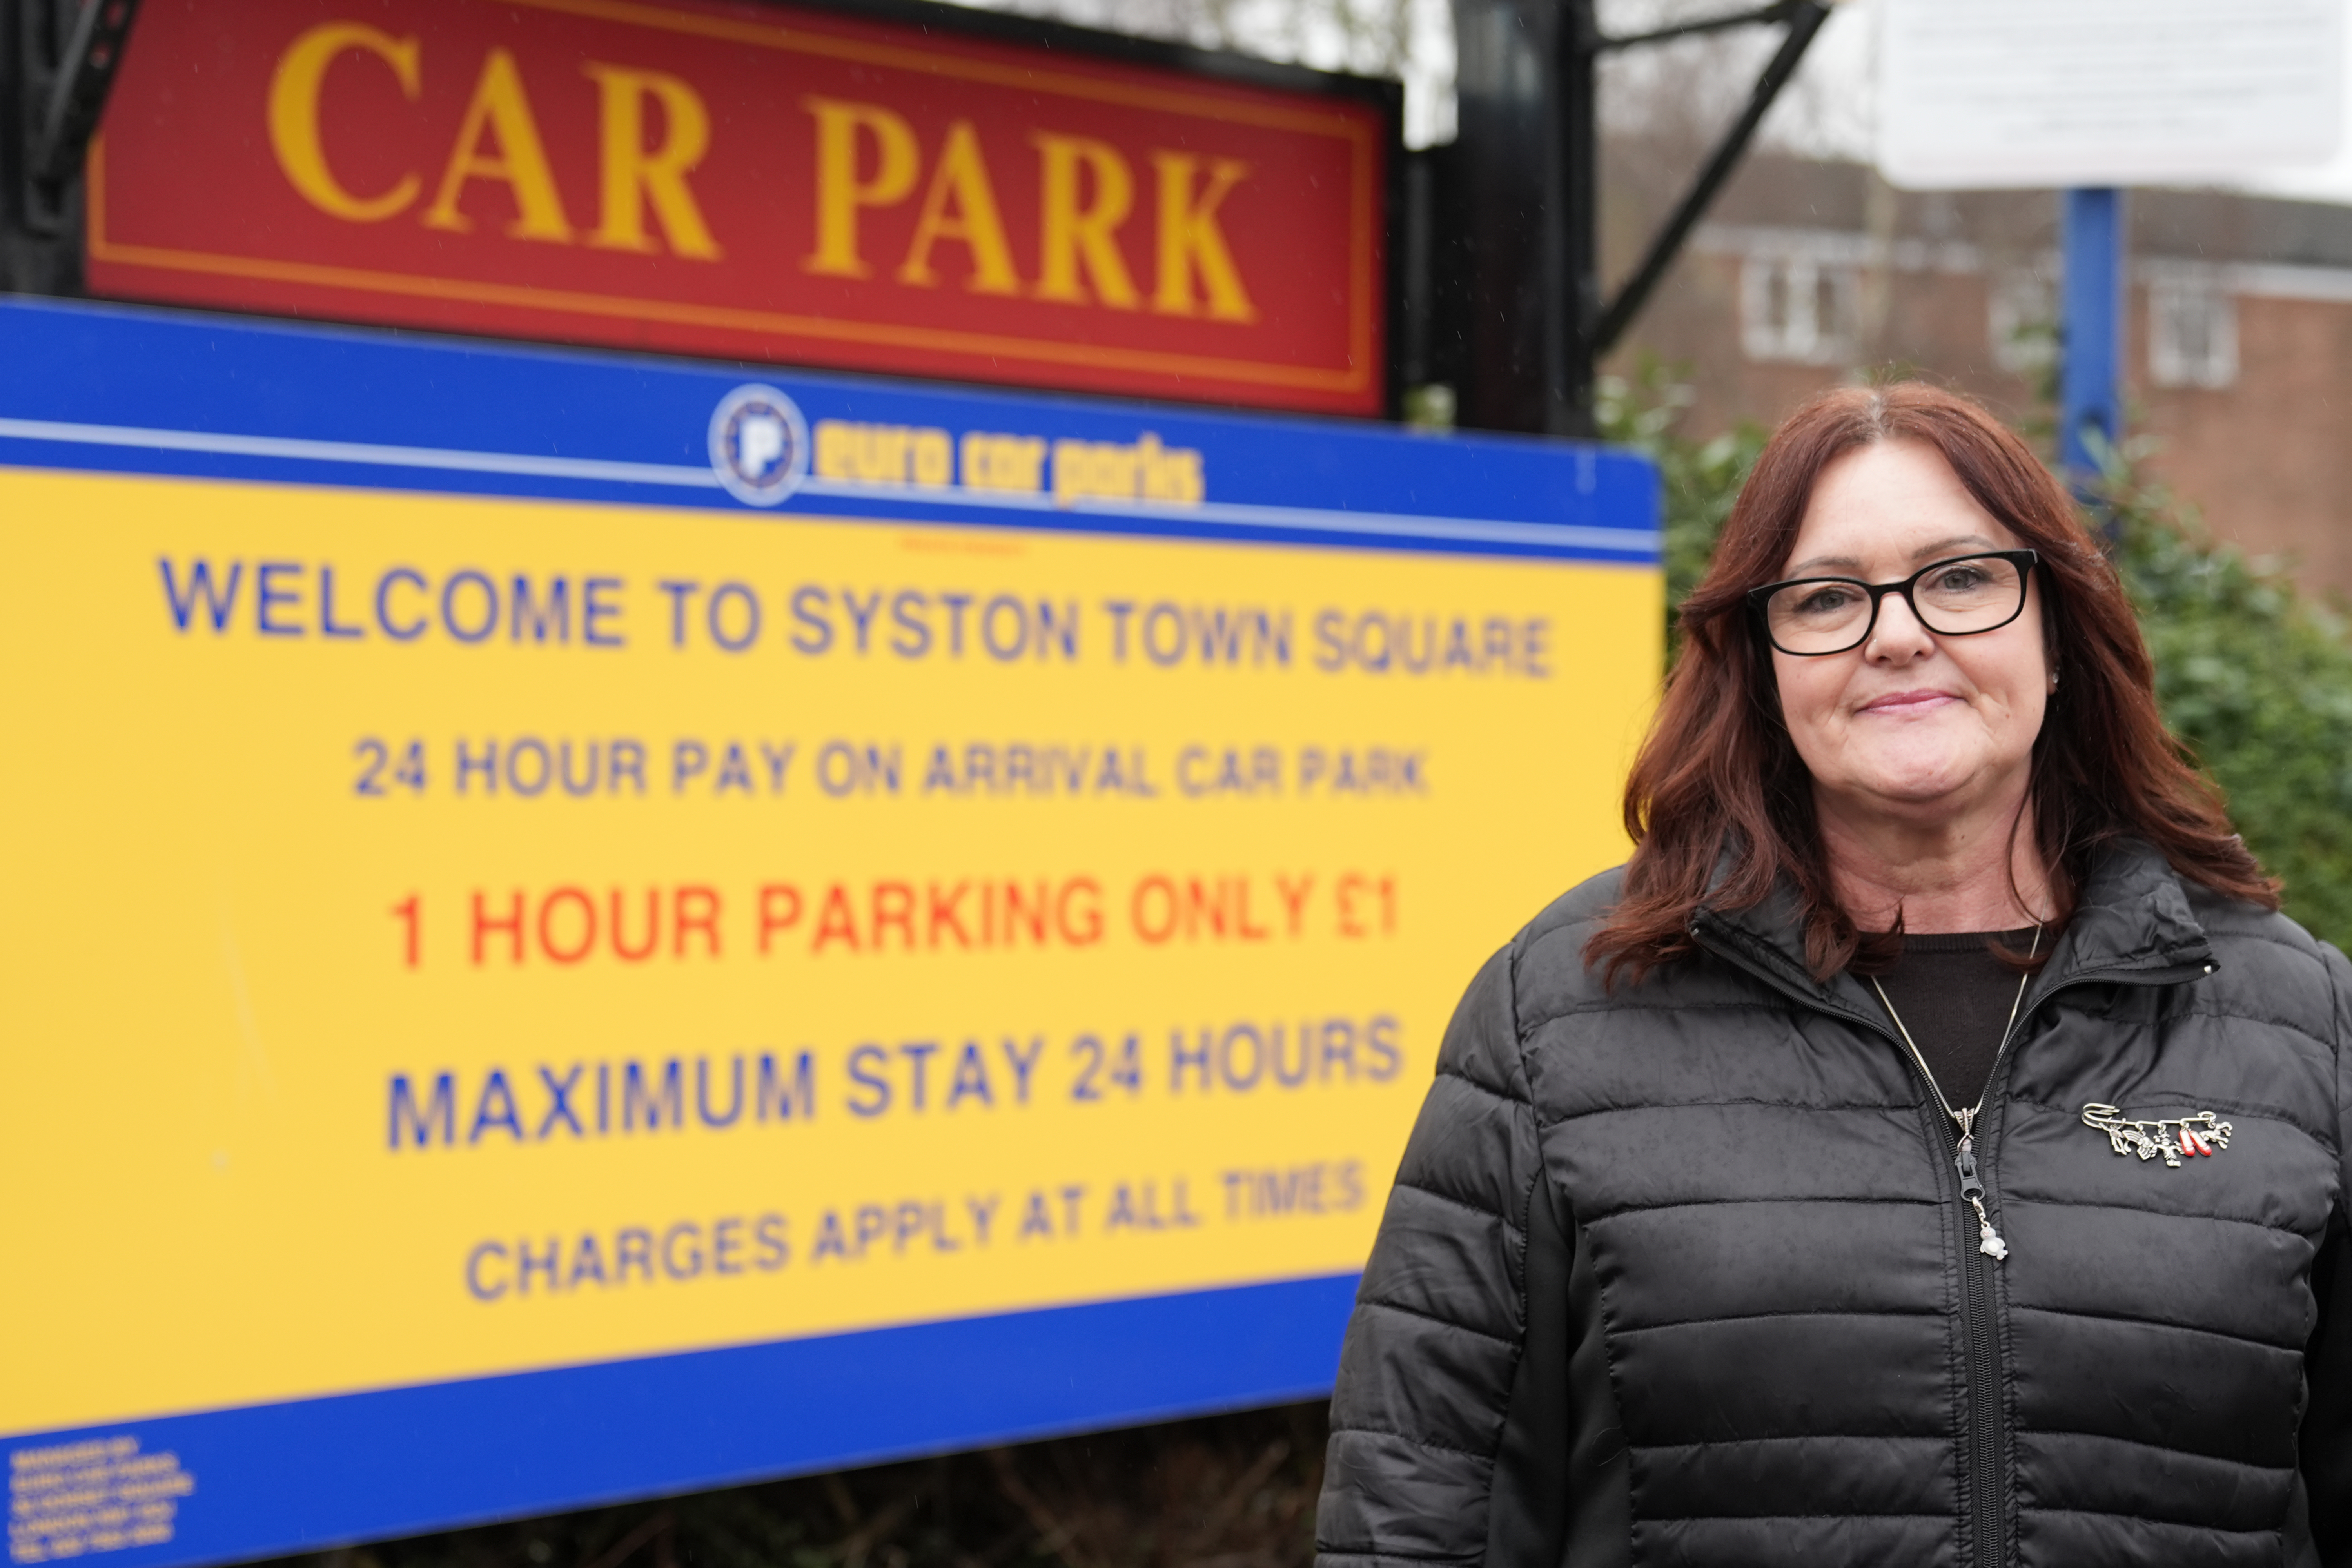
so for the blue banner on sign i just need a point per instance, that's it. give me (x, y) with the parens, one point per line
(156, 392)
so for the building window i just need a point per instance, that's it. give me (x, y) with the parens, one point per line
(2021, 319)
(2192, 330)
(1797, 309)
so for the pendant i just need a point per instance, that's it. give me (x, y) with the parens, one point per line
(2175, 1137)
(1972, 1192)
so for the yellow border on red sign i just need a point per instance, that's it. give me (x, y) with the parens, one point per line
(1355, 377)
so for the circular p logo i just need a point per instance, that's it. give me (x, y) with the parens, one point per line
(759, 444)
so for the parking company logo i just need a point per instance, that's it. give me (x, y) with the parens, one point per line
(759, 444)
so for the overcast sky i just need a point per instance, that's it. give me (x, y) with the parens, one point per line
(1828, 112)
(1831, 109)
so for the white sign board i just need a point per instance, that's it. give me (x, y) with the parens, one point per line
(1991, 93)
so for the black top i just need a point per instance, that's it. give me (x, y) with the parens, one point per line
(1955, 997)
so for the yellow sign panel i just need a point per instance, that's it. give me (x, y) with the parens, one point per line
(453, 934)
(890, 976)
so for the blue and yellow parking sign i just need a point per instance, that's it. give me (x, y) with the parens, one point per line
(580, 927)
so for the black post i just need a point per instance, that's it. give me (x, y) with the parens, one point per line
(1517, 330)
(1523, 321)
(1579, 156)
(55, 57)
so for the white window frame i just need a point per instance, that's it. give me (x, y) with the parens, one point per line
(1800, 336)
(2177, 296)
(2019, 298)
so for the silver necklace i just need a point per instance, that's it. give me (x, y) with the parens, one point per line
(1988, 1241)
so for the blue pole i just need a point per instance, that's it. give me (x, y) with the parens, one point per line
(2091, 328)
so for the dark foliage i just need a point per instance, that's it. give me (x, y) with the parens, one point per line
(2256, 680)
(1226, 1491)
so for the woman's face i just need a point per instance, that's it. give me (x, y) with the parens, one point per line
(1910, 723)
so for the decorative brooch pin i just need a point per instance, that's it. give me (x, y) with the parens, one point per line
(2177, 1137)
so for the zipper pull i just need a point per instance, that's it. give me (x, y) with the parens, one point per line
(1988, 1241)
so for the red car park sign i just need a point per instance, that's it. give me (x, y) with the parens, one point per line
(752, 182)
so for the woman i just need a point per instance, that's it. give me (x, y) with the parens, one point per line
(1929, 1148)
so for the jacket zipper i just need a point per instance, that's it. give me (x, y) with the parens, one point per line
(1982, 1336)
(1982, 1330)
(1964, 1158)
(1979, 1328)
(1980, 1333)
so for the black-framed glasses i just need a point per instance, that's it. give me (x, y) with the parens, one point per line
(1810, 616)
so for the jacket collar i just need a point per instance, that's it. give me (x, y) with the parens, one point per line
(2132, 925)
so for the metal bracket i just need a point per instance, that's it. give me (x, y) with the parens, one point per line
(1804, 18)
(78, 93)
(1777, 12)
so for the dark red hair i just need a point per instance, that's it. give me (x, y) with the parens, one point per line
(1719, 776)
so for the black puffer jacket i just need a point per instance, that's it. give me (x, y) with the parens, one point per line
(1681, 1275)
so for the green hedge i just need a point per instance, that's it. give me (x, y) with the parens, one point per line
(2254, 677)
(2256, 680)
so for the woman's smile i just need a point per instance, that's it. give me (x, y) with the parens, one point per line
(1914, 704)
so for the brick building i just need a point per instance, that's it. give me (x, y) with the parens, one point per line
(2238, 341)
